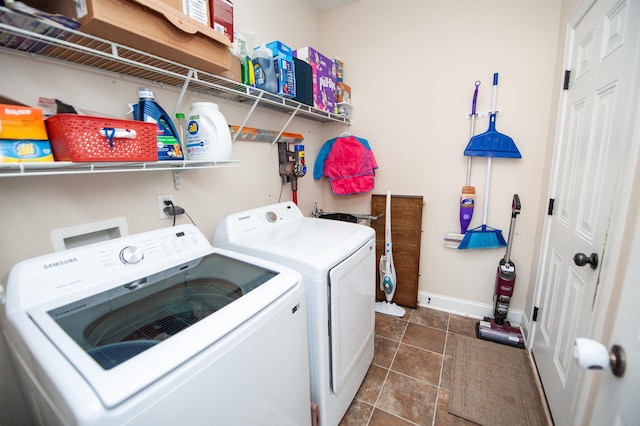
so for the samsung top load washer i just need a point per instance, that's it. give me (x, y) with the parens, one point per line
(337, 263)
(159, 328)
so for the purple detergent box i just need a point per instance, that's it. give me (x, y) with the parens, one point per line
(323, 77)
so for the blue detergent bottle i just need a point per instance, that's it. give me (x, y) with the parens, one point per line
(168, 137)
(264, 71)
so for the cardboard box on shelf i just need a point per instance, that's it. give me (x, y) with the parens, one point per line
(153, 26)
(23, 136)
(221, 17)
(343, 93)
(25, 151)
(196, 9)
(235, 72)
(21, 122)
(323, 77)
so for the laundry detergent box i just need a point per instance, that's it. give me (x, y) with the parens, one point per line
(323, 78)
(19, 122)
(280, 49)
(284, 67)
(285, 72)
(25, 151)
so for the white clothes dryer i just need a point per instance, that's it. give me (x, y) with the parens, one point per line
(337, 263)
(158, 328)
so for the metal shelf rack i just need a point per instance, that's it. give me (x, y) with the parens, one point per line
(90, 52)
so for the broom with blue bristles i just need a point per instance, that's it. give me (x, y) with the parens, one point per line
(488, 144)
(483, 237)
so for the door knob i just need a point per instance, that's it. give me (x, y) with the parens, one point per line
(592, 355)
(581, 259)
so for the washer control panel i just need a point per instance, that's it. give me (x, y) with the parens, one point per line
(52, 275)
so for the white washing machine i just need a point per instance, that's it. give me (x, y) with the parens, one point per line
(159, 328)
(337, 263)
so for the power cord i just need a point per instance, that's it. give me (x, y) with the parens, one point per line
(173, 210)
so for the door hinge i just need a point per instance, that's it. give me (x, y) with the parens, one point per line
(550, 208)
(567, 77)
(535, 314)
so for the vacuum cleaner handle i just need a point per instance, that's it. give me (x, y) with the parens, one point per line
(515, 210)
(515, 205)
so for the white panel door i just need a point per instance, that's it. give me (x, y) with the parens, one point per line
(587, 158)
(617, 401)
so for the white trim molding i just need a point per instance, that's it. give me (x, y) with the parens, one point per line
(467, 308)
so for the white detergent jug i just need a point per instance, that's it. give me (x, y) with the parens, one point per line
(208, 135)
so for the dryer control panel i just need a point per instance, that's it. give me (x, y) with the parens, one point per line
(258, 220)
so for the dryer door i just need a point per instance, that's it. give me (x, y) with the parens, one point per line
(352, 313)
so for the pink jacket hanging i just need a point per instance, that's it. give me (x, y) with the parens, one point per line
(349, 164)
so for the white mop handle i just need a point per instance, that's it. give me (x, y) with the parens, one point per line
(387, 220)
(494, 97)
(486, 192)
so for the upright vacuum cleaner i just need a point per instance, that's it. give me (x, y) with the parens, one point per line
(499, 329)
(388, 270)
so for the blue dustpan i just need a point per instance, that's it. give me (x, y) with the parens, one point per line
(492, 143)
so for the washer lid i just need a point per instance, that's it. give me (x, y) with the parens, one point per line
(125, 338)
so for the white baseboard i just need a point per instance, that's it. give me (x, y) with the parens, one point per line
(525, 327)
(464, 307)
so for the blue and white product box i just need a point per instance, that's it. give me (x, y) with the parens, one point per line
(280, 49)
(285, 71)
(169, 148)
(286, 77)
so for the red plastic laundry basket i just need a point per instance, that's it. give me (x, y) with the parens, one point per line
(82, 138)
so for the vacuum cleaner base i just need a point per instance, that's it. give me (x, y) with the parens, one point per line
(390, 308)
(505, 334)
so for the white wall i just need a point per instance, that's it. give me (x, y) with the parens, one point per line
(34, 206)
(412, 69)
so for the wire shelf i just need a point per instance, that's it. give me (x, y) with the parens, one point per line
(84, 50)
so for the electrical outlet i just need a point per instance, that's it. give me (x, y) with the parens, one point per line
(161, 204)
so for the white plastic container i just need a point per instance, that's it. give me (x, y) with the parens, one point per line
(208, 135)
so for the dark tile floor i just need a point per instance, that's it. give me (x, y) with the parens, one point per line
(408, 382)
